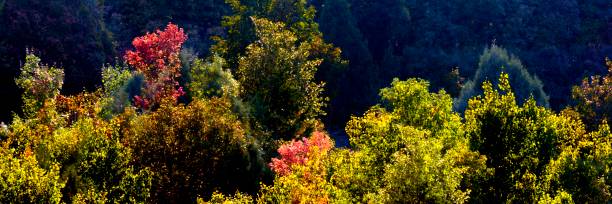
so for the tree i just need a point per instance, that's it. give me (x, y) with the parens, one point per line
(594, 98)
(580, 170)
(210, 79)
(277, 75)
(411, 149)
(519, 141)
(194, 150)
(493, 61)
(40, 83)
(297, 16)
(302, 173)
(119, 86)
(157, 58)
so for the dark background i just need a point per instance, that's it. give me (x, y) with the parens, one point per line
(559, 41)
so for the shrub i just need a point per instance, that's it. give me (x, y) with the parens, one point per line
(23, 181)
(40, 83)
(195, 150)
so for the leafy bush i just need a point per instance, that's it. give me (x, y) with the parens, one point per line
(209, 79)
(41, 84)
(519, 141)
(93, 160)
(195, 150)
(238, 198)
(116, 96)
(23, 181)
(414, 150)
(299, 152)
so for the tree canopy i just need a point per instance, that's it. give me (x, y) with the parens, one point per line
(281, 104)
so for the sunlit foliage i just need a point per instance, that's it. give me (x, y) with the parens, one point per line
(248, 128)
(303, 174)
(40, 83)
(411, 149)
(22, 180)
(278, 81)
(194, 150)
(157, 58)
(594, 97)
(518, 141)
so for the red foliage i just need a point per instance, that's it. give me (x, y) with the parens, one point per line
(297, 152)
(157, 58)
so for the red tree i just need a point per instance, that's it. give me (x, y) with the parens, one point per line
(298, 152)
(157, 58)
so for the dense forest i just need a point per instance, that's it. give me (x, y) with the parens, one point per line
(305, 101)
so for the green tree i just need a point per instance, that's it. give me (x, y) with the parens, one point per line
(582, 169)
(210, 79)
(277, 75)
(116, 96)
(40, 83)
(296, 15)
(411, 149)
(493, 61)
(518, 141)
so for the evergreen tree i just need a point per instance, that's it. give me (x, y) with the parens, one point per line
(493, 61)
